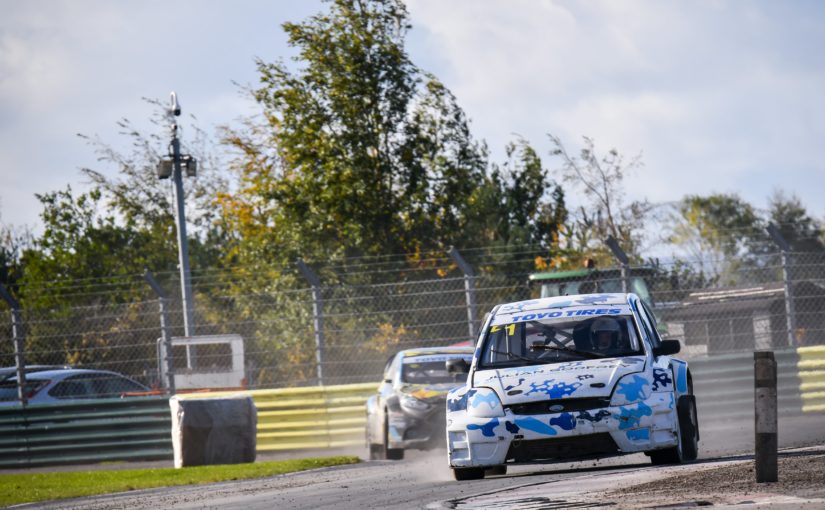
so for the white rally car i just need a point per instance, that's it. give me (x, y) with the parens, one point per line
(571, 377)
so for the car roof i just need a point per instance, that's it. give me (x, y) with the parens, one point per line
(565, 302)
(429, 351)
(67, 372)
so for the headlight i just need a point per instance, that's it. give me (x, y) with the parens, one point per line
(630, 389)
(413, 404)
(484, 403)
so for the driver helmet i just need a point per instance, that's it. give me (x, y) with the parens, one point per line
(604, 333)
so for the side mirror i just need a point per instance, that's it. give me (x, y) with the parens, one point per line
(667, 348)
(457, 366)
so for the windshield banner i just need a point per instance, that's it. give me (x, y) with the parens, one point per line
(574, 312)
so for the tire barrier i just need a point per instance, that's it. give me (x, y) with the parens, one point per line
(208, 431)
(308, 418)
(135, 428)
(811, 369)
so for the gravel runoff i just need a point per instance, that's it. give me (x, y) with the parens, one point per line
(801, 485)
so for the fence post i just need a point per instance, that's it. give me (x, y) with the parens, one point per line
(164, 361)
(790, 311)
(621, 256)
(19, 339)
(469, 290)
(317, 317)
(766, 442)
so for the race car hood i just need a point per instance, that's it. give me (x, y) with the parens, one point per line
(577, 379)
(427, 392)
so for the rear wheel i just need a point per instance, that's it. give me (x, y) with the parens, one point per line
(463, 474)
(687, 448)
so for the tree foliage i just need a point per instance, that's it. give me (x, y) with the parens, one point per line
(362, 153)
(720, 233)
(803, 232)
(600, 178)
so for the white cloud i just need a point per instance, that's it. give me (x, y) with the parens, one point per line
(720, 96)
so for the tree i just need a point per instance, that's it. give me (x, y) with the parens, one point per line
(721, 233)
(362, 153)
(799, 229)
(601, 181)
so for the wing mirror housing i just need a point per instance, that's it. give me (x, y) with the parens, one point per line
(457, 366)
(667, 348)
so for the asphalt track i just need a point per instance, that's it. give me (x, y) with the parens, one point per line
(424, 481)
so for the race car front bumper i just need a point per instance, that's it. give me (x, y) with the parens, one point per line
(419, 431)
(646, 425)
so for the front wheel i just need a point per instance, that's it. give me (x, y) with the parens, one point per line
(463, 474)
(687, 447)
(390, 453)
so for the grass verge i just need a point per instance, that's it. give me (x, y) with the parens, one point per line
(29, 488)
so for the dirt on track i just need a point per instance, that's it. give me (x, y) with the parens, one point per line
(801, 482)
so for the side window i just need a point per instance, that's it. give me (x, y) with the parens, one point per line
(107, 386)
(393, 368)
(73, 387)
(648, 324)
(388, 366)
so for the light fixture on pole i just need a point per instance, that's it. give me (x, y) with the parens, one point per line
(173, 166)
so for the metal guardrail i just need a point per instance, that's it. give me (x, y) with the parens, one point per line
(811, 369)
(309, 417)
(137, 428)
(723, 385)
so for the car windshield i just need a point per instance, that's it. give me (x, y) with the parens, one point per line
(430, 369)
(553, 340)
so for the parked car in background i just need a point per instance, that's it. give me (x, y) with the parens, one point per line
(568, 378)
(51, 386)
(7, 372)
(408, 410)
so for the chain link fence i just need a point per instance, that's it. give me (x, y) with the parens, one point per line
(344, 330)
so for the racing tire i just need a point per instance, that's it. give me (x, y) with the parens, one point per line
(687, 449)
(496, 471)
(464, 474)
(387, 452)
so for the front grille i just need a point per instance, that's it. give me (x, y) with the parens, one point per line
(567, 404)
(432, 427)
(564, 448)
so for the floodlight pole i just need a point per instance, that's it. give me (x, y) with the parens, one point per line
(180, 221)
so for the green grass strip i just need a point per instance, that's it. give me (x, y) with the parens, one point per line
(29, 488)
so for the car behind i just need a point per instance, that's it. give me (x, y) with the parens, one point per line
(53, 386)
(408, 410)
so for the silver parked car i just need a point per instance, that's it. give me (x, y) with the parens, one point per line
(52, 386)
(408, 410)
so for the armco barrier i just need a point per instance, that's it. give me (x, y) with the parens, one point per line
(724, 386)
(812, 376)
(137, 428)
(310, 417)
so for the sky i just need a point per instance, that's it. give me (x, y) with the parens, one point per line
(717, 96)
